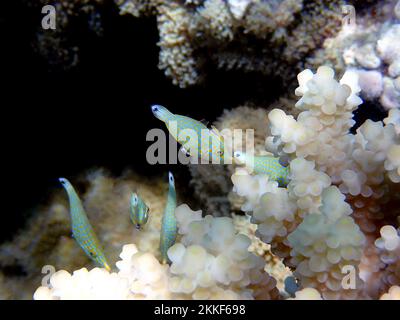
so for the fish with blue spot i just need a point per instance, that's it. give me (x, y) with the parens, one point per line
(197, 140)
(82, 230)
(139, 211)
(274, 167)
(169, 225)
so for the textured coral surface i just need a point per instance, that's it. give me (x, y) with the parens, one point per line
(333, 232)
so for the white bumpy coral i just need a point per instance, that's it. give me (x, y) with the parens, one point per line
(278, 211)
(309, 224)
(307, 294)
(140, 276)
(389, 252)
(211, 261)
(252, 188)
(371, 48)
(392, 160)
(357, 163)
(306, 184)
(393, 118)
(320, 131)
(392, 294)
(326, 243)
(213, 258)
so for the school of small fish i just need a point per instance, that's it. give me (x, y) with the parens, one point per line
(198, 141)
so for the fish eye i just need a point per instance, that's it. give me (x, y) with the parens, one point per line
(171, 177)
(284, 161)
(221, 153)
(138, 226)
(187, 154)
(135, 199)
(155, 108)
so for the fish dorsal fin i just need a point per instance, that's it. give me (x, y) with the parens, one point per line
(214, 131)
(205, 122)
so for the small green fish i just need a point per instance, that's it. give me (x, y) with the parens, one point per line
(82, 231)
(270, 166)
(139, 211)
(169, 224)
(193, 135)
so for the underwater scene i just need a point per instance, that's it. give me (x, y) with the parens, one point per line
(200, 150)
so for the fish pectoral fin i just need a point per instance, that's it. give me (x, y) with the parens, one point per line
(284, 161)
(185, 151)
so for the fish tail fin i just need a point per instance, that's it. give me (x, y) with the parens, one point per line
(107, 267)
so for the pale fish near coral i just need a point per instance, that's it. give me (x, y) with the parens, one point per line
(232, 272)
(139, 211)
(81, 228)
(168, 224)
(196, 139)
(342, 191)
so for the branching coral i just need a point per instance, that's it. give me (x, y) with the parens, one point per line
(325, 243)
(277, 211)
(370, 47)
(393, 294)
(212, 183)
(211, 261)
(274, 35)
(47, 240)
(274, 265)
(310, 224)
(335, 224)
(389, 252)
(307, 294)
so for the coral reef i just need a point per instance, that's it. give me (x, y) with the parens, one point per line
(307, 294)
(370, 47)
(275, 36)
(343, 189)
(47, 240)
(209, 261)
(393, 294)
(334, 224)
(332, 231)
(211, 183)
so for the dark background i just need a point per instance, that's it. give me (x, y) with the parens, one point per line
(59, 123)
